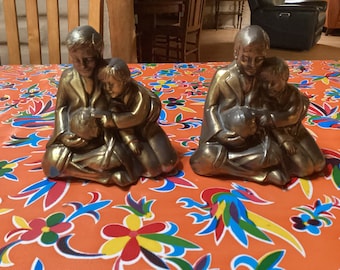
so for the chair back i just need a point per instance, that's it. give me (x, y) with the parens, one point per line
(194, 19)
(34, 22)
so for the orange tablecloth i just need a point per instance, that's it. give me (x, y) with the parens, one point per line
(180, 222)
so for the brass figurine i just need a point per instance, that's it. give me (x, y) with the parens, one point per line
(242, 135)
(100, 138)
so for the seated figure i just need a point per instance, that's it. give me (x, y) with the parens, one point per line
(260, 158)
(79, 147)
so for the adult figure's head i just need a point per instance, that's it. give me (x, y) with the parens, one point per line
(250, 49)
(85, 46)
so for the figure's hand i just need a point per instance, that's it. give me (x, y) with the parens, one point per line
(136, 147)
(107, 121)
(72, 140)
(289, 147)
(265, 120)
(225, 137)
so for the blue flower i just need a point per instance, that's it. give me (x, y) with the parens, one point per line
(306, 223)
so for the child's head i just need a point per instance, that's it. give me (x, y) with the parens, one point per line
(273, 76)
(85, 46)
(241, 121)
(115, 76)
(250, 49)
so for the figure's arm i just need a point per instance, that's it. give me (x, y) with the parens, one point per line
(221, 97)
(155, 105)
(284, 139)
(131, 140)
(138, 111)
(292, 115)
(62, 128)
(61, 116)
(212, 121)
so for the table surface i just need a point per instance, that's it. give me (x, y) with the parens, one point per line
(181, 222)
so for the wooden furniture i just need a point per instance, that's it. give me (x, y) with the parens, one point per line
(236, 11)
(147, 12)
(332, 16)
(95, 19)
(122, 29)
(178, 42)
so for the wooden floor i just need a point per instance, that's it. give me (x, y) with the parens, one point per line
(217, 45)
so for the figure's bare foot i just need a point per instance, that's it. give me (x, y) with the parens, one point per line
(121, 178)
(276, 177)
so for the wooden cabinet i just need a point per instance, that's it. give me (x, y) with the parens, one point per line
(332, 16)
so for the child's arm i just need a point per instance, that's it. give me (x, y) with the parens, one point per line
(105, 117)
(292, 109)
(131, 140)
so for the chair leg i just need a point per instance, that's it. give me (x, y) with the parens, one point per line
(180, 49)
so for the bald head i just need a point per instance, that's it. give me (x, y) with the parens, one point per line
(251, 35)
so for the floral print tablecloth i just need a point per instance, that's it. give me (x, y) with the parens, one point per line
(179, 222)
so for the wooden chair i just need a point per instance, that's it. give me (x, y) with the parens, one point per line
(95, 19)
(147, 14)
(177, 42)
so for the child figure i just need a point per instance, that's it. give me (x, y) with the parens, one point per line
(140, 113)
(284, 109)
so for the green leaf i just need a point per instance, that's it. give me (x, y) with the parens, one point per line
(253, 230)
(271, 260)
(336, 176)
(131, 209)
(179, 117)
(32, 87)
(147, 206)
(3, 163)
(49, 237)
(309, 212)
(55, 219)
(226, 215)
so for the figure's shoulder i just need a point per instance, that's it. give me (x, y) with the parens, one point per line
(223, 73)
(132, 93)
(227, 71)
(293, 96)
(67, 74)
(293, 92)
